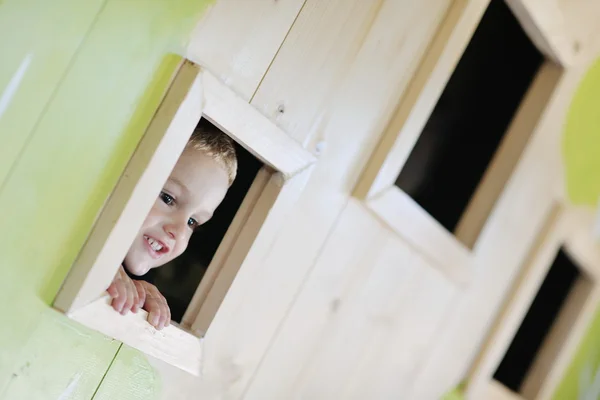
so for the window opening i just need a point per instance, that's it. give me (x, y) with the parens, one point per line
(471, 117)
(179, 279)
(545, 310)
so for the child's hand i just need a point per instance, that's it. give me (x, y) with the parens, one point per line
(124, 292)
(159, 313)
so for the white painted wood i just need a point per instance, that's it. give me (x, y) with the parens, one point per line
(252, 130)
(223, 253)
(172, 344)
(249, 231)
(423, 233)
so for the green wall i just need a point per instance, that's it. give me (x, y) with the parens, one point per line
(581, 141)
(77, 82)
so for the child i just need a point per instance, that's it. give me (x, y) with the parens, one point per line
(196, 186)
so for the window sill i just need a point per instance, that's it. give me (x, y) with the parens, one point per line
(171, 344)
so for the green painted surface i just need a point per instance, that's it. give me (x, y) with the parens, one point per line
(130, 377)
(96, 71)
(581, 141)
(42, 37)
(60, 359)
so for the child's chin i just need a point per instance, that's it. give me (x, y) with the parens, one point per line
(136, 269)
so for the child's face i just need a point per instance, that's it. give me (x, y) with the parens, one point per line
(195, 188)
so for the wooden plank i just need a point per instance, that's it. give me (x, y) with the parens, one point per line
(144, 385)
(318, 29)
(237, 40)
(172, 344)
(364, 289)
(256, 301)
(132, 199)
(350, 137)
(271, 185)
(252, 130)
(421, 96)
(225, 248)
(424, 233)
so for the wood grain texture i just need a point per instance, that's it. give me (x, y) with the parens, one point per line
(146, 384)
(422, 232)
(172, 344)
(219, 261)
(344, 333)
(252, 130)
(324, 40)
(237, 40)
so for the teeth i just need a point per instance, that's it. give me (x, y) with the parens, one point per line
(154, 244)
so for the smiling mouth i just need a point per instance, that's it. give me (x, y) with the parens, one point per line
(157, 248)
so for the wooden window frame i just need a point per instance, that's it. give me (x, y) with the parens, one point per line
(194, 93)
(571, 229)
(451, 252)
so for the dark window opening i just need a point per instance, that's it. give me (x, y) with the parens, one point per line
(538, 321)
(471, 117)
(179, 279)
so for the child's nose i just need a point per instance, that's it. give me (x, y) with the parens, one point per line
(175, 231)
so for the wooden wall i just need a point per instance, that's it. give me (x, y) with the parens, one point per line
(341, 306)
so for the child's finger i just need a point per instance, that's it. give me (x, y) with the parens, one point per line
(154, 317)
(119, 300)
(136, 297)
(129, 298)
(164, 314)
(141, 296)
(112, 290)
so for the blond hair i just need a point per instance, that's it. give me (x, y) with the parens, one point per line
(208, 139)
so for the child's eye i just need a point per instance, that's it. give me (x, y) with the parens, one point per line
(167, 198)
(192, 223)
